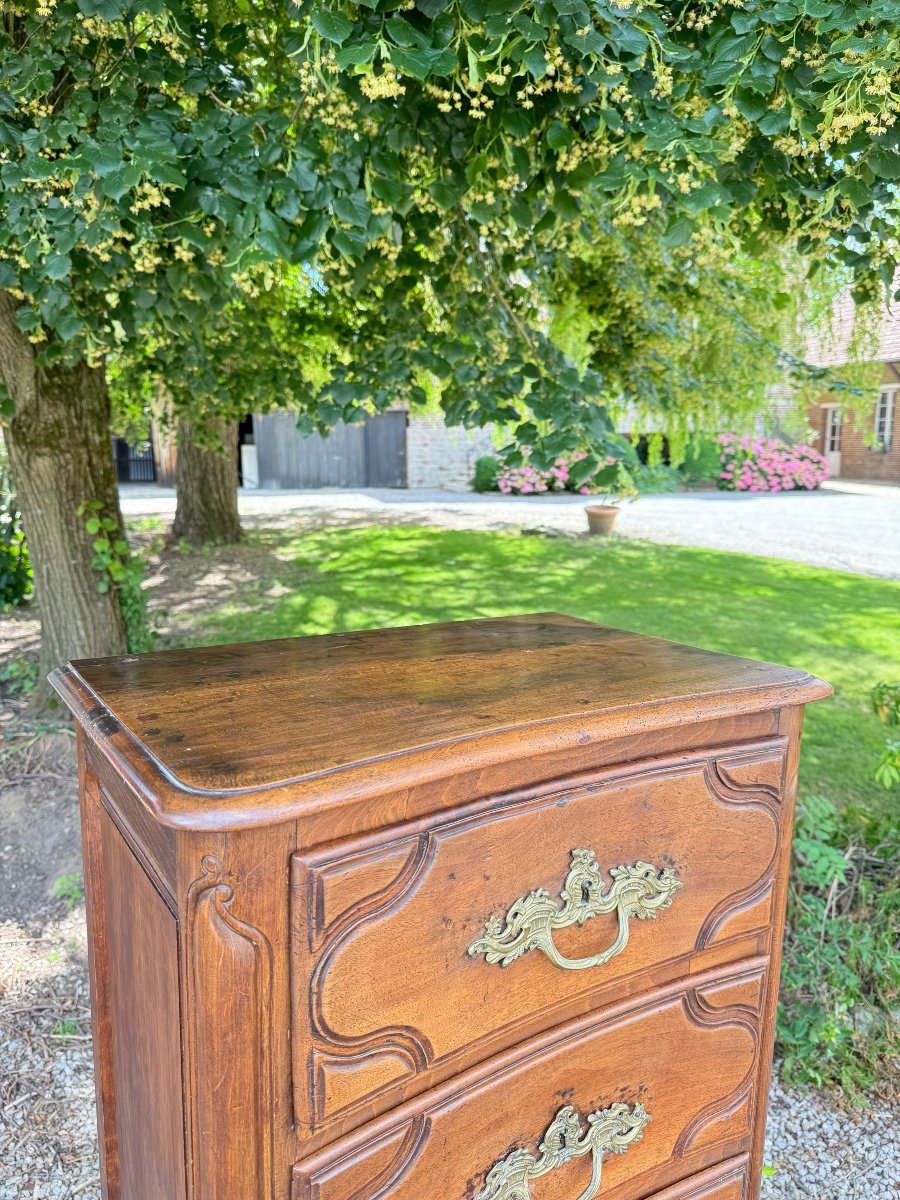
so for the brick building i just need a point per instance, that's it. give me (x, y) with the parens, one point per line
(862, 444)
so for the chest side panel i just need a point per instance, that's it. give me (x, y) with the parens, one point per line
(142, 941)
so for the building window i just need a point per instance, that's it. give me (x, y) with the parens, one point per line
(884, 419)
(833, 431)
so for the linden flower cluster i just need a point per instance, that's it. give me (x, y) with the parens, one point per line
(636, 209)
(320, 99)
(148, 195)
(383, 86)
(664, 81)
(840, 125)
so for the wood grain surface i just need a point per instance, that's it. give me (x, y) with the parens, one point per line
(420, 701)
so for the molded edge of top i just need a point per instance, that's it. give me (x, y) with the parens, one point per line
(178, 805)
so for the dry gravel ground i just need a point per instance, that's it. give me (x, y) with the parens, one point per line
(48, 1145)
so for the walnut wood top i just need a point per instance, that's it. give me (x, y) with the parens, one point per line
(209, 728)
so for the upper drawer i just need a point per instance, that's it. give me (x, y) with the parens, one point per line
(617, 1105)
(398, 944)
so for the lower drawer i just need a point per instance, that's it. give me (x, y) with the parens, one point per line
(620, 1104)
(729, 1181)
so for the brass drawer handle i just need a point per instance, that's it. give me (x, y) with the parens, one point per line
(639, 890)
(610, 1131)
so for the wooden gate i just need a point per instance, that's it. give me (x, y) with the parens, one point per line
(134, 461)
(369, 454)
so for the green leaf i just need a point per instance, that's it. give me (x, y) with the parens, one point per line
(103, 158)
(109, 10)
(566, 205)
(884, 162)
(331, 25)
(560, 135)
(68, 326)
(422, 63)
(534, 60)
(447, 193)
(679, 232)
(27, 318)
(629, 38)
(774, 122)
(750, 105)
(353, 209)
(357, 54)
(120, 181)
(57, 266)
(743, 22)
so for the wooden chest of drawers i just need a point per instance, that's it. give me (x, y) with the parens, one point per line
(478, 911)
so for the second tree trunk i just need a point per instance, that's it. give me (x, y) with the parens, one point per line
(206, 483)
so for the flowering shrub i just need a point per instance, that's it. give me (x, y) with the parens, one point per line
(768, 465)
(528, 480)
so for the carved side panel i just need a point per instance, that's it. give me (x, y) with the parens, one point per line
(229, 1041)
(689, 1060)
(386, 999)
(753, 780)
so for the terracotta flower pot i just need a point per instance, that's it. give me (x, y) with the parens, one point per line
(601, 518)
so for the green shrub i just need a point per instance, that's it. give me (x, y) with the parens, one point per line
(15, 566)
(486, 469)
(841, 975)
(651, 481)
(701, 461)
(886, 703)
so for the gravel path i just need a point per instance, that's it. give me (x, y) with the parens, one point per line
(47, 1125)
(852, 527)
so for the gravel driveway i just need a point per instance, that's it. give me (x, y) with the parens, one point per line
(852, 527)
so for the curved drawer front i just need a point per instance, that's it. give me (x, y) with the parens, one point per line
(416, 957)
(615, 1106)
(730, 1181)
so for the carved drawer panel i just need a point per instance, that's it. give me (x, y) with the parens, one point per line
(419, 953)
(620, 1104)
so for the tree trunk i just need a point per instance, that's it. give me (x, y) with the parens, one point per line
(59, 452)
(206, 483)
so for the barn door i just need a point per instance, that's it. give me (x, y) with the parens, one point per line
(386, 450)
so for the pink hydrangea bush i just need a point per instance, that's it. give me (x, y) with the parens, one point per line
(528, 480)
(768, 465)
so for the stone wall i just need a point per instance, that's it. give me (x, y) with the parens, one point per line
(438, 456)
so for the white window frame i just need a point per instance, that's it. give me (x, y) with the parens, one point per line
(834, 428)
(885, 412)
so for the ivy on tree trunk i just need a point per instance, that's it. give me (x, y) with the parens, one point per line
(59, 450)
(206, 483)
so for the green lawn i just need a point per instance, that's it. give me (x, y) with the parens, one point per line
(843, 627)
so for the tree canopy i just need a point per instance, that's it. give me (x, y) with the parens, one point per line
(446, 167)
(437, 160)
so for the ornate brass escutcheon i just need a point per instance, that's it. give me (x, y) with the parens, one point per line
(639, 890)
(609, 1131)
